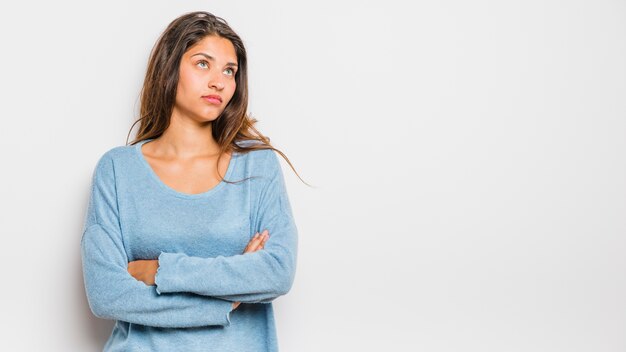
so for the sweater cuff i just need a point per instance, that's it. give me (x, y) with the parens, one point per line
(166, 278)
(228, 309)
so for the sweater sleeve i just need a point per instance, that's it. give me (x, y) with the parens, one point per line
(112, 293)
(257, 277)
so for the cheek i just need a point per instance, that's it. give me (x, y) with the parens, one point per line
(181, 88)
(231, 90)
(188, 82)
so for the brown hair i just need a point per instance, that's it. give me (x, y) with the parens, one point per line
(158, 93)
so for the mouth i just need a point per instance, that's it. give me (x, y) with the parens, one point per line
(213, 99)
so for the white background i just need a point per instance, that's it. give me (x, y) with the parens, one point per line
(469, 159)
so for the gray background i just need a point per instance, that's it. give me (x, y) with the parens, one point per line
(469, 159)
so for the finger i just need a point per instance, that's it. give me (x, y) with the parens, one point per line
(257, 240)
(263, 241)
(253, 239)
(258, 246)
(254, 244)
(250, 241)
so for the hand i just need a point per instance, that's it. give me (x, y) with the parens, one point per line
(256, 243)
(144, 270)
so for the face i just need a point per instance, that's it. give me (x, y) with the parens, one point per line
(206, 79)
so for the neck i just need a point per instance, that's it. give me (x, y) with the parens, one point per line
(186, 138)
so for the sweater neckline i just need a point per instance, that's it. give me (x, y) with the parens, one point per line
(170, 190)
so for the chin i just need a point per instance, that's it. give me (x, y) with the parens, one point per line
(209, 115)
(209, 118)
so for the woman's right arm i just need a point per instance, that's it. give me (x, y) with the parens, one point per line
(112, 293)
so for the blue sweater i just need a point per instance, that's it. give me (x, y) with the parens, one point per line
(199, 240)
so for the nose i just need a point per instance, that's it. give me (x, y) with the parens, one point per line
(216, 82)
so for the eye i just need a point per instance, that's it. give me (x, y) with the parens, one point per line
(231, 70)
(202, 64)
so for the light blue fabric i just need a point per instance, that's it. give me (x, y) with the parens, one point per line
(198, 240)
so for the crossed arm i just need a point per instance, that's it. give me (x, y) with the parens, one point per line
(188, 291)
(145, 270)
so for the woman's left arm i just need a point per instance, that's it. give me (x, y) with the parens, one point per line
(257, 277)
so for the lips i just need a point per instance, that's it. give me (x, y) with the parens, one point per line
(215, 99)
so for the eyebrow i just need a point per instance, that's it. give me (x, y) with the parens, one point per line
(213, 59)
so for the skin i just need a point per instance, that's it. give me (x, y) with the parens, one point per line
(184, 157)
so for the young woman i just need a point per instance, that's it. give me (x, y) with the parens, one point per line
(189, 234)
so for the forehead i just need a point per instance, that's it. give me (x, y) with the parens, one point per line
(219, 48)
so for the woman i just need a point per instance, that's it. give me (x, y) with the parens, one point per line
(181, 256)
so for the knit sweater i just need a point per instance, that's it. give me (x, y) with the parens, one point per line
(199, 241)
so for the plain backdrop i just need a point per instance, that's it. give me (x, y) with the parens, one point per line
(468, 158)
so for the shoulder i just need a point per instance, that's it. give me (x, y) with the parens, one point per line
(117, 152)
(263, 160)
(111, 157)
(266, 157)
(262, 165)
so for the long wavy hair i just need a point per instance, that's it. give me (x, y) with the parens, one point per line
(158, 93)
